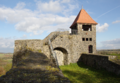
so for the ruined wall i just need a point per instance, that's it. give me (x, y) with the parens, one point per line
(71, 46)
(101, 62)
(34, 45)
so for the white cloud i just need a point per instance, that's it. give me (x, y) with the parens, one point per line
(65, 1)
(20, 5)
(69, 9)
(101, 28)
(31, 34)
(51, 6)
(110, 44)
(114, 41)
(9, 42)
(24, 36)
(48, 22)
(6, 42)
(15, 15)
(117, 21)
(64, 7)
(35, 33)
(37, 22)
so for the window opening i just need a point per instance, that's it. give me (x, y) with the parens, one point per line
(86, 39)
(86, 28)
(74, 30)
(90, 39)
(83, 39)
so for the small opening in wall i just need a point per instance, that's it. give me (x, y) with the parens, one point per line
(74, 30)
(83, 39)
(86, 39)
(90, 39)
(86, 28)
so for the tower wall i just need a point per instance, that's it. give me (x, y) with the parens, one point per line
(87, 34)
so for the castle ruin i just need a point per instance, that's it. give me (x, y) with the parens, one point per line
(68, 46)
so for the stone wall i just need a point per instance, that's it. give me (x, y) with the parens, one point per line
(87, 34)
(71, 46)
(101, 62)
(34, 45)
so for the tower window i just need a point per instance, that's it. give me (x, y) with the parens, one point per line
(86, 39)
(83, 39)
(90, 39)
(86, 28)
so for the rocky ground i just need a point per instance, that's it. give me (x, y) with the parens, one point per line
(33, 67)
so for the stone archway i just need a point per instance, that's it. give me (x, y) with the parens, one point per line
(90, 49)
(62, 55)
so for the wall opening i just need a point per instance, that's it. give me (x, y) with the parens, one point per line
(86, 39)
(62, 55)
(90, 39)
(86, 28)
(74, 30)
(83, 39)
(90, 48)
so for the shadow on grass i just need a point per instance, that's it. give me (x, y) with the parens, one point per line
(104, 75)
(84, 74)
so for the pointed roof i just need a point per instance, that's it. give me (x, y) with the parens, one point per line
(83, 17)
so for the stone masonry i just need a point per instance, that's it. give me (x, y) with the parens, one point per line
(68, 46)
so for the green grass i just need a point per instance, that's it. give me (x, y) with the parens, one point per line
(118, 55)
(8, 67)
(80, 73)
(1, 55)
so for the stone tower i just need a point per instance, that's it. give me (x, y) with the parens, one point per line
(85, 27)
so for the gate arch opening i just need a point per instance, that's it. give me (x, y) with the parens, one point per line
(62, 55)
(90, 49)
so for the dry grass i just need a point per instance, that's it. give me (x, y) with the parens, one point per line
(2, 71)
(5, 63)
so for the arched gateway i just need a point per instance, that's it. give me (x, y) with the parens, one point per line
(62, 55)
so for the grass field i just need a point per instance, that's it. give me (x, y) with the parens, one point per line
(85, 74)
(1, 55)
(5, 63)
(77, 73)
(118, 55)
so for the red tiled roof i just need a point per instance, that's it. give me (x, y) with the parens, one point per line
(83, 17)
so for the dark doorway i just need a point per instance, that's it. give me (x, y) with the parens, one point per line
(90, 49)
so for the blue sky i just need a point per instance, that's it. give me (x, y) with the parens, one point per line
(35, 19)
